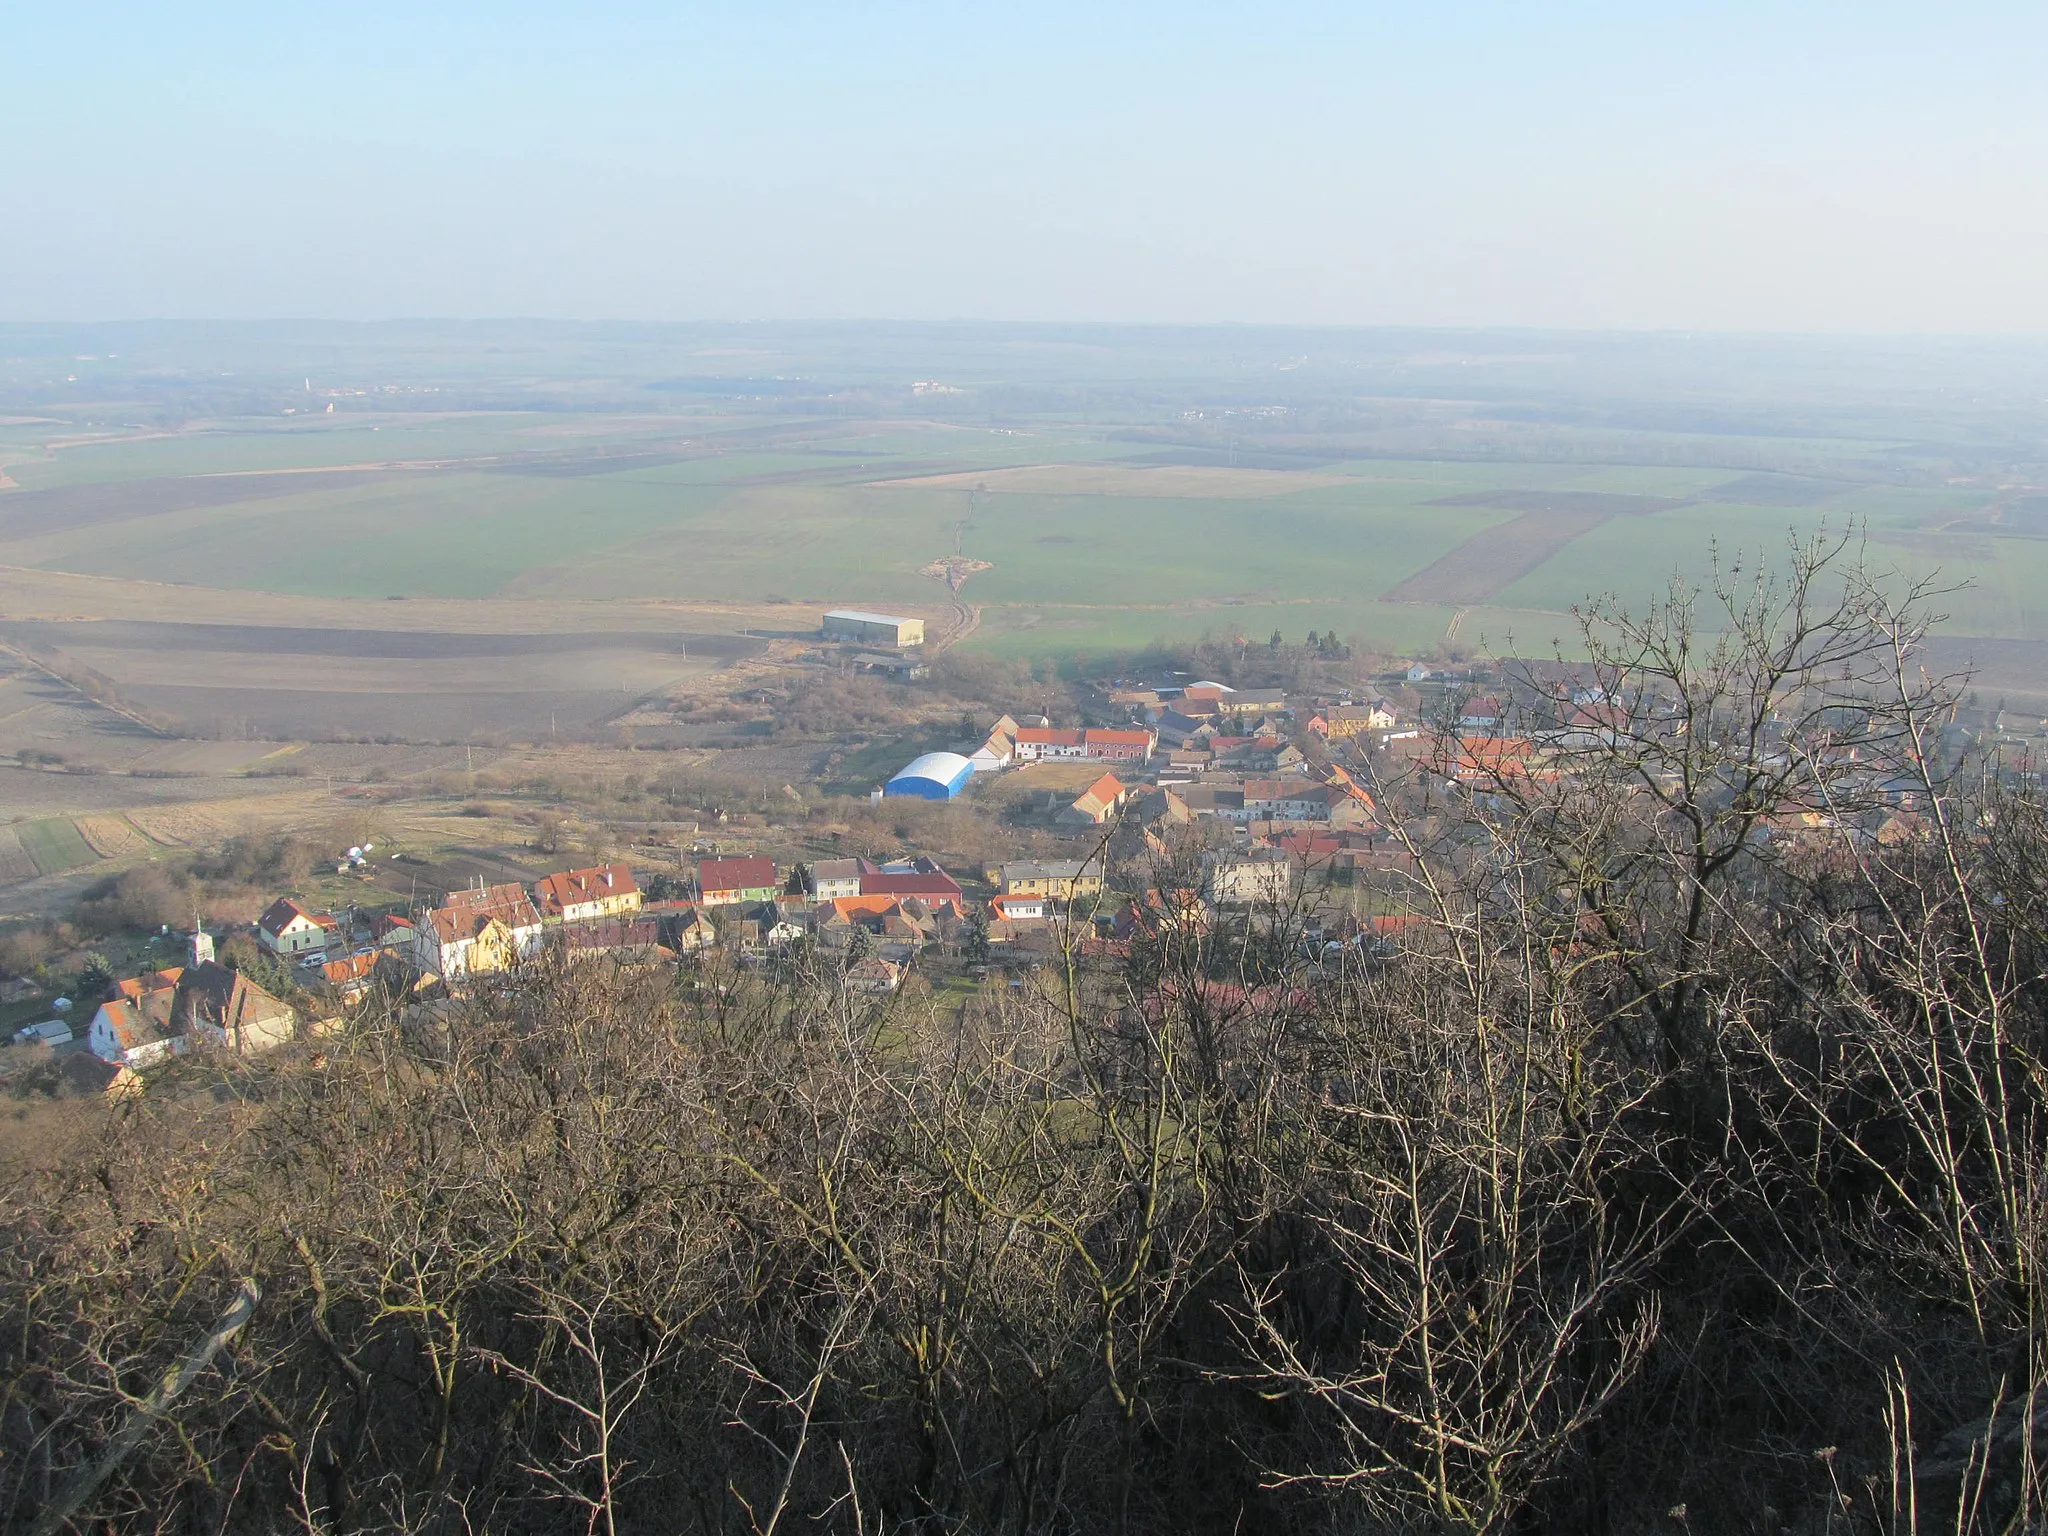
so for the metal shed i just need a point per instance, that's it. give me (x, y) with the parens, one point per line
(935, 776)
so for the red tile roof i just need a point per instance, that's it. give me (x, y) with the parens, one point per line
(748, 874)
(939, 886)
(130, 1027)
(354, 968)
(138, 987)
(573, 887)
(463, 913)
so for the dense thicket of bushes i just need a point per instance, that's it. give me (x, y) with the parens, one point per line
(1680, 1169)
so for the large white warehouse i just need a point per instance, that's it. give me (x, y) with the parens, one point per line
(864, 628)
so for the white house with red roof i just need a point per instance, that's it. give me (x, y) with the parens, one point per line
(583, 895)
(1036, 743)
(288, 929)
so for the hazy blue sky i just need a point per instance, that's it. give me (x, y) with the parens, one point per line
(1783, 166)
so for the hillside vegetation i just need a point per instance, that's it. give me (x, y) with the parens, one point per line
(1678, 1165)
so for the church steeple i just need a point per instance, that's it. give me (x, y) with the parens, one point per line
(202, 943)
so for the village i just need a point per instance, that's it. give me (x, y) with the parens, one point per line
(1173, 805)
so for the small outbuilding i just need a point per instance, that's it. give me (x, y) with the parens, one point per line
(935, 776)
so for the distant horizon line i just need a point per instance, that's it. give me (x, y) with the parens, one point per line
(1673, 332)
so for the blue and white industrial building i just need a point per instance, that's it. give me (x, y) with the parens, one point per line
(935, 776)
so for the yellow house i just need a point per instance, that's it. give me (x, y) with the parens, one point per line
(1056, 879)
(473, 932)
(1353, 719)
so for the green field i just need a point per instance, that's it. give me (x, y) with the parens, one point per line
(1128, 556)
(55, 845)
(1118, 486)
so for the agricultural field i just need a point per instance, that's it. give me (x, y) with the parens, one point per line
(1102, 490)
(55, 845)
(1083, 543)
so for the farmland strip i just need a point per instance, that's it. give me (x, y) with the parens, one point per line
(1495, 557)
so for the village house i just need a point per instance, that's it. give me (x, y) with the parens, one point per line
(166, 1013)
(1019, 909)
(829, 879)
(1225, 801)
(764, 926)
(1057, 879)
(349, 977)
(690, 932)
(1480, 760)
(1253, 701)
(781, 928)
(998, 750)
(1182, 730)
(583, 895)
(134, 1029)
(393, 932)
(476, 931)
(920, 878)
(1259, 876)
(628, 938)
(910, 919)
(219, 1007)
(874, 976)
(1346, 720)
(1302, 799)
(1257, 754)
(1095, 804)
(288, 929)
(731, 881)
(1480, 715)
(1155, 806)
(834, 925)
(1038, 743)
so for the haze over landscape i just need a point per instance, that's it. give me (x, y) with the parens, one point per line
(911, 768)
(1812, 167)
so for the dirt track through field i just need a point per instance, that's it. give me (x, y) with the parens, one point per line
(1498, 557)
(1494, 558)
